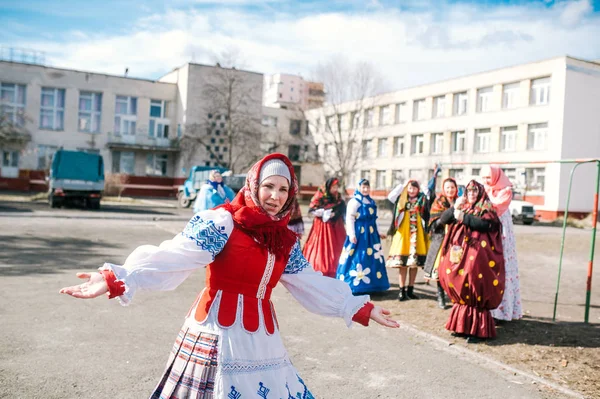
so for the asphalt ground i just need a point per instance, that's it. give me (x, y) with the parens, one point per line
(54, 346)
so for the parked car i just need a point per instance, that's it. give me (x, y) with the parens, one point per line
(186, 193)
(76, 177)
(520, 210)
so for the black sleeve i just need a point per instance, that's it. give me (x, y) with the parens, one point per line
(479, 224)
(447, 217)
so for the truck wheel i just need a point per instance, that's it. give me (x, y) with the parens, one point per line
(94, 204)
(527, 222)
(183, 201)
(54, 203)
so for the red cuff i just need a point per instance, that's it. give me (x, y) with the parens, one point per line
(364, 314)
(115, 288)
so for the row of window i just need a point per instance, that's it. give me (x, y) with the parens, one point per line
(52, 111)
(530, 179)
(539, 94)
(537, 139)
(295, 124)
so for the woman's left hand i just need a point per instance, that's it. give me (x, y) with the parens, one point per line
(380, 315)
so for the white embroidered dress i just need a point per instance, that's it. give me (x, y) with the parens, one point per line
(248, 362)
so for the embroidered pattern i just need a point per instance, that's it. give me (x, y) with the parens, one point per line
(304, 395)
(297, 261)
(206, 234)
(263, 391)
(234, 394)
(266, 276)
(239, 366)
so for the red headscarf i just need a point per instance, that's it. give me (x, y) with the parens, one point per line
(250, 217)
(500, 190)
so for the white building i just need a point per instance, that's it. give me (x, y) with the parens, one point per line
(291, 91)
(542, 111)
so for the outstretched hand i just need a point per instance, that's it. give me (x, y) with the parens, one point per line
(94, 287)
(380, 315)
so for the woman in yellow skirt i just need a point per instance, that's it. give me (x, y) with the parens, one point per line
(409, 239)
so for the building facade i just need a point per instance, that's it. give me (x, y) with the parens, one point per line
(521, 116)
(292, 91)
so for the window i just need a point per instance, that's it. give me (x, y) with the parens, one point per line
(537, 137)
(536, 178)
(510, 94)
(125, 115)
(437, 143)
(295, 126)
(10, 159)
(417, 144)
(12, 102)
(419, 110)
(416, 174)
(459, 140)
(457, 174)
(382, 147)
(159, 124)
(476, 171)
(156, 164)
(511, 173)
(540, 91)
(484, 99)
(482, 140)
(439, 107)
(380, 179)
(294, 152)
(384, 115)
(366, 149)
(269, 120)
(397, 177)
(355, 120)
(365, 174)
(52, 110)
(44, 155)
(401, 113)
(369, 114)
(398, 146)
(460, 103)
(508, 138)
(123, 162)
(179, 130)
(90, 111)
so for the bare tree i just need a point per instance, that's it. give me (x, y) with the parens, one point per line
(350, 89)
(13, 133)
(229, 127)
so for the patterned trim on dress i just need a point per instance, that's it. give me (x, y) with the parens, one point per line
(240, 366)
(262, 288)
(206, 234)
(297, 261)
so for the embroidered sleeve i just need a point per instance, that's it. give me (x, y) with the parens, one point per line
(323, 295)
(395, 193)
(297, 261)
(165, 267)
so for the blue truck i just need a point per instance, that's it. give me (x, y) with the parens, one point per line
(186, 193)
(76, 177)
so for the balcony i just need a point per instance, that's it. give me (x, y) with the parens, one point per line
(140, 141)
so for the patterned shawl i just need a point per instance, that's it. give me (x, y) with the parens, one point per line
(442, 202)
(250, 217)
(324, 198)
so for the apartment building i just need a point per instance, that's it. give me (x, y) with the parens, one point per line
(292, 91)
(137, 125)
(522, 116)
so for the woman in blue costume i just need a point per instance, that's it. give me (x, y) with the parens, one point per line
(213, 193)
(362, 263)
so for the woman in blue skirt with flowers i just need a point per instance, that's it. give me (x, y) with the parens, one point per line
(362, 263)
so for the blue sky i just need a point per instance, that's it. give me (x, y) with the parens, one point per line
(409, 41)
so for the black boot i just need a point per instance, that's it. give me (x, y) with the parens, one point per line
(441, 296)
(402, 295)
(410, 294)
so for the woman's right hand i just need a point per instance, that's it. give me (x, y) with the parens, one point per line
(92, 288)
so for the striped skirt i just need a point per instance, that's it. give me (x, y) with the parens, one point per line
(191, 368)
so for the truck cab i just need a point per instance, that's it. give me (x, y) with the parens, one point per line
(76, 177)
(186, 193)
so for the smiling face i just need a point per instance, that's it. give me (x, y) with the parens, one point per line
(335, 187)
(365, 189)
(486, 175)
(273, 194)
(450, 189)
(217, 177)
(412, 190)
(472, 193)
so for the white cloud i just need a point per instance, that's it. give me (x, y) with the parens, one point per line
(409, 47)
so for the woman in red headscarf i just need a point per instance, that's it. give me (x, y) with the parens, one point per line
(499, 189)
(230, 345)
(437, 231)
(471, 268)
(326, 238)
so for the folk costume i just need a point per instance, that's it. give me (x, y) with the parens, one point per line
(500, 193)
(471, 268)
(437, 231)
(212, 194)
(229, 346)
(327, 234)
(362, 265)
